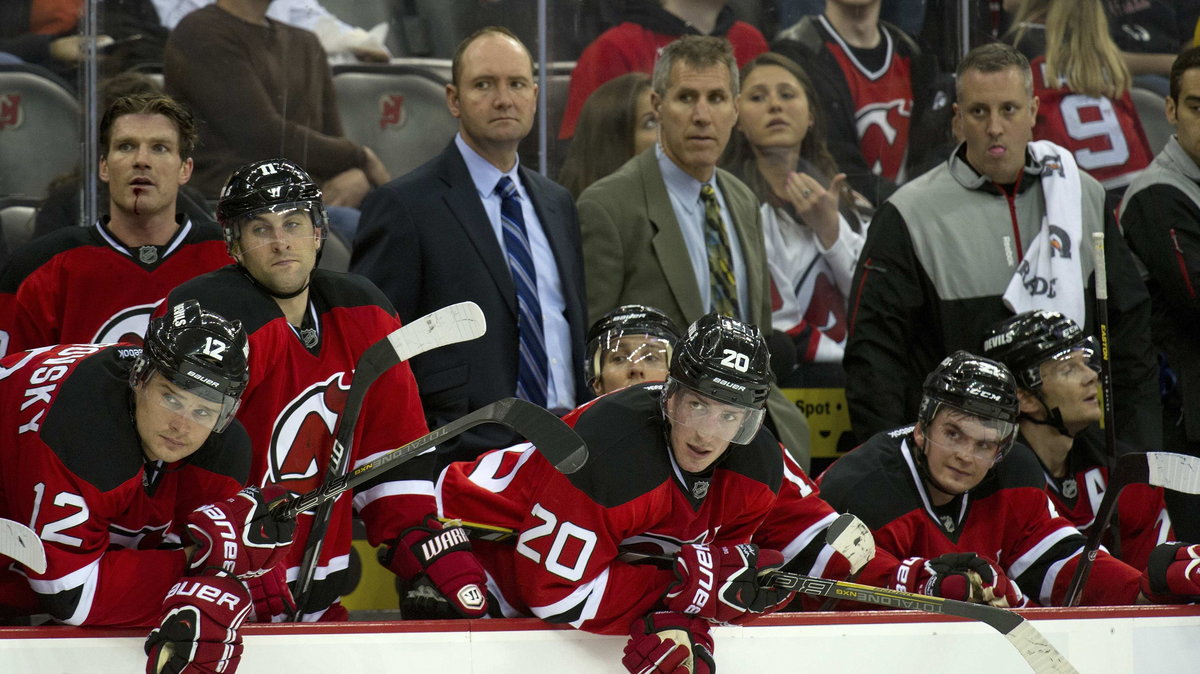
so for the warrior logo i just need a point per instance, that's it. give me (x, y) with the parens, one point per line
(127, 325)
(391, 111)
(11, 111)
(302, 436)
(1060, 242)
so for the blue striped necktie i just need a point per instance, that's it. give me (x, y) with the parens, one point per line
(532, 367)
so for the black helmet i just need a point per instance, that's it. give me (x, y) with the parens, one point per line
(978, 386)
(200, 352)
(724, 359)
(270, 184)
(1029, 339)
(629, 319)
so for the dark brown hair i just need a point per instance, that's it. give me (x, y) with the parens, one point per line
(604, 133)
(151, 104)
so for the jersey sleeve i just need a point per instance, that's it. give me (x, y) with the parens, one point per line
(1143, 521)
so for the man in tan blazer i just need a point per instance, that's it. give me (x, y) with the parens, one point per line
(651, 234)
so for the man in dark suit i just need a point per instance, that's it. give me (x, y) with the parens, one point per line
(671, 230)
(455, 229)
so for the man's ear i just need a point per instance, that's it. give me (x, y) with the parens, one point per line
(1029, 402)
(103, 175)
(452, 100)
(919, 434)
(185, 171)
(656, 104)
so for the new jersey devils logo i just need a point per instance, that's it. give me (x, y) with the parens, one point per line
(127, 325)
(302, 437)
(883, 135)
(11, 114)
(391, 111)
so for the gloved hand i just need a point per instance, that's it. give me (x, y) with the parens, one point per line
(271, 596)
(721, 582)
(239, 534)
(198, 633)
(963, 576)
(1172, 574)
(669, 643)
(437, 559)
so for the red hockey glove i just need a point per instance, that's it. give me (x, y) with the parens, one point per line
(963, 576)
(271, 596)
(437, 559)
(721, 582)
(669, 643)
(198, 633)
(1172, 574)
(239, 535)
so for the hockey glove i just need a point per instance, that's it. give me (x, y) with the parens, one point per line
(437, 560)
(669, 643)
(239, 535)
(271, 596)
(1172, 574)
(721, 582)
(962, 576)
(198, 633)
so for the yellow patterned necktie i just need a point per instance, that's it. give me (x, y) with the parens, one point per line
(720, 260)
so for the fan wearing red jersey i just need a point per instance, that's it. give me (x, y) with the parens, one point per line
(682, 468)
(101, 283)
(1056, 368)
(308, 327)
(956, 482)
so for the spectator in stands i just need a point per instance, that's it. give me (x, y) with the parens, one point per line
(886, 104)
(336, 35)
(263, 89)
(813, 235)
(1150, 34)
(474, 224)
(647, 26)
(671, 230)
(616, 123)
(1160, 217)
(101, 283)
(1082, 86)
(61, 207)
(983, 235)
(43, 33)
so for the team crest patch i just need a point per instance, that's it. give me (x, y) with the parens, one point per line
(1069, 488)
(148, 254)
(700, 489)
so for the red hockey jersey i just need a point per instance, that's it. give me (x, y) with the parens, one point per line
(566, 567)
(71, 466)
(1007, 518)
(296, 395)
(83, 285)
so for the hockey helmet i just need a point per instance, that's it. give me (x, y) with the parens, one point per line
(276, 185)
(727, 361)
(1029, 339)
(625, 321)
(199, 352)
(976, 386)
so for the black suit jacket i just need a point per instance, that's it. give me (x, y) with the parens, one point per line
(425, 240)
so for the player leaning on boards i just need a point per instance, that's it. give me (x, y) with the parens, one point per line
(113, 521)
(1056, 368)
(308, 328)
(956, 482)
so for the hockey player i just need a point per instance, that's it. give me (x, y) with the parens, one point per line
(109, 452)
(955, 482)
(101, 283)
(1056, 371)
(682, 468)
(629, 345)
(308, 327)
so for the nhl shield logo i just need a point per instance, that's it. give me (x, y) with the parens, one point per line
(947, 523)
(1069, 488)
(148, 254)
(11, 111)
(700, 489)
(391, 111)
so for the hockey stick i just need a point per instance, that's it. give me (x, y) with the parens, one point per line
(1178, 472)
(1110, 425)
(448, 325)
(19, 542)
(552, 438)
(852, 539)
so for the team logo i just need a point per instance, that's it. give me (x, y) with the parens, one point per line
(826, 309)
(302, 436)
(391, 111)
(12, 113)
(127, 325)
(1060, 242)
(883, 134)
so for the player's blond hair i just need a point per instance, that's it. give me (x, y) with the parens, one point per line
(1080, 53)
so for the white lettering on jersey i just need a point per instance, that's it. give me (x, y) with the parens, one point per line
(43, 381)
(1094, 485)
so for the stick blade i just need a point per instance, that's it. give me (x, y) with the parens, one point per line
(852, 539)
(20, 543)
(1041, 657)
(554, 439)
(449, 325)
(1179, 472)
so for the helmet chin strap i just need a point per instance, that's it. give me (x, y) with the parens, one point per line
(1053, 418)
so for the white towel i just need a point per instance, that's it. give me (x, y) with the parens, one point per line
(1050, 276)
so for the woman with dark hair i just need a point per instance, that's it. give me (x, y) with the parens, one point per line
(813, 235)
(615, 125)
